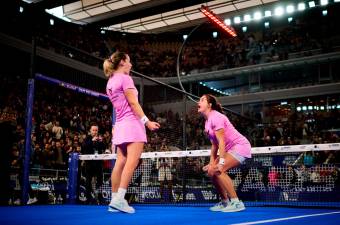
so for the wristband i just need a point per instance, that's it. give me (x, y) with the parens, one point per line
(221, 161)
(144, 119)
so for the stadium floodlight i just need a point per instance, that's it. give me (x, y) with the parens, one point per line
(102, 31)
(290, 9)
(247, 18)
(324, 12)
(227, 21)
(185, 36)
(336, 0)
(217, 21)
(311, 4)
(267, 13)
(21, 9)
(257, 15)
(323, 2)
(278, 11)
(237, 20)
(244, 29)
(301, 6)
(214, 34)
(51, 22)
(290, 19)
(266, 24)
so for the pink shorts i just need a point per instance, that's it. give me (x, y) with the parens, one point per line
(240, 152)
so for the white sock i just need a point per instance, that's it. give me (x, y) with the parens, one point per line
(113, 194)
(234, 200)
(121, 193)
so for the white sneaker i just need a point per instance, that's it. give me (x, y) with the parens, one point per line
(235, 206)
(218, 206)
(17, 202)
(121, 205)
(32, 201)
(110, 209)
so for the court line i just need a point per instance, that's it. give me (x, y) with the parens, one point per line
(285, 218)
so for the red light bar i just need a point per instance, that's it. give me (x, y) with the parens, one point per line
(216, 20)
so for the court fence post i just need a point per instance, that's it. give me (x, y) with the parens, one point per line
(28, 141)
(72, 180)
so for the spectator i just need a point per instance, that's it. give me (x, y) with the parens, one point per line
(93, 144)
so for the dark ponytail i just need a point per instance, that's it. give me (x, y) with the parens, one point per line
(215, 105)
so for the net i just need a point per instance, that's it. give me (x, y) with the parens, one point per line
(298, 175)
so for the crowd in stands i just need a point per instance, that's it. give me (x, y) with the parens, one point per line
(61, 121)
(160, 55)
(303, 128)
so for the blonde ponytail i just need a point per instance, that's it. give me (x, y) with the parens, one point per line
(111, 64)
(108, 68)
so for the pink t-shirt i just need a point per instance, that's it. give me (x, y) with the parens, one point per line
(115, 88)
(232, 137)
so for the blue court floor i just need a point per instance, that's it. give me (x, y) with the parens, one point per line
(163, 215)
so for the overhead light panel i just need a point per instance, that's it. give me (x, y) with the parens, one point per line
(227, 21)
(257, 15)
(267, 13)
(311, 4)
(237, 20)
(323, 2)
(290, 9)
(214, 34)
(279, 11)
(301, 6)
(266, 24)
(246, 18)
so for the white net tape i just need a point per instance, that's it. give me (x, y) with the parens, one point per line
(197, 153)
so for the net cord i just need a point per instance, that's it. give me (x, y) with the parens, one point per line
(206, 152)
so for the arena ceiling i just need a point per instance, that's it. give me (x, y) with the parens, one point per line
(148, 16)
